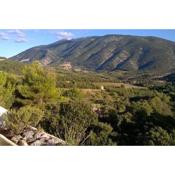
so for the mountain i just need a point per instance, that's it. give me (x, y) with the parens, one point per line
(107, 53)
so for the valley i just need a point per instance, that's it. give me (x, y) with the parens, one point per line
(86, 107)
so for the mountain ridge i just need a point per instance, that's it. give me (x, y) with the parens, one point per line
(107, 53)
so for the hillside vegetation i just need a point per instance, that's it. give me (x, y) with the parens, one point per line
(11, 66)
(72, 106)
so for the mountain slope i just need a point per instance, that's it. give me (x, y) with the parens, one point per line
(107, 53)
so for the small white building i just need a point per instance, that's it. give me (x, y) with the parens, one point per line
(102, 88)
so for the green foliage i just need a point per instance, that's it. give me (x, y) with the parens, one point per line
(38, 86)
(75, 118)
(143, 107)
(18, 120)
(161, 105)
(73, 93)
(7, 88)
(133, 113)
(71, 121)
(157, 136)
(10, 66)
(100, 135)
(114, 116)
(70, 79)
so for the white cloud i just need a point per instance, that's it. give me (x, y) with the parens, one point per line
(18, 35)
(4, 36)
(16, 32)
(64, 35)
(20, 40)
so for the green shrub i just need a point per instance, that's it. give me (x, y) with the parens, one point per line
(18, 120)
(7, 89)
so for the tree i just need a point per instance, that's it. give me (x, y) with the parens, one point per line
(38, 86)
(3, 78)
(157, 136)
(161, 105)
(100, 134)
(7, 88)
(143, 107)
(73, 121)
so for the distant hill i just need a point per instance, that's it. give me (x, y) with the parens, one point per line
(107, 53)
(2, 58)
(170, 77)
(11, 66)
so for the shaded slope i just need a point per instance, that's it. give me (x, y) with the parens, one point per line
(107, 53)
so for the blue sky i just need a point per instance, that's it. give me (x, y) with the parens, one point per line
(14, 41)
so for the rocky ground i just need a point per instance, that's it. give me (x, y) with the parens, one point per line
(33, 137)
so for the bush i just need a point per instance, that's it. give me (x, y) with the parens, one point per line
(73, 93)
(157, 136)
(72, 121)
(18, 120)
(100, 135)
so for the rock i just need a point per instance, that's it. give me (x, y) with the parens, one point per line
(55, 141)
(45, 140)
(39, 135)
(22, 143)
(31, 140)
(16, 138)
(52, 141)
(60, 142)
(37, 143)
(28, 135)
(32, 136)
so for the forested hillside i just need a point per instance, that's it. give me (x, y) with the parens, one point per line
(87, 108)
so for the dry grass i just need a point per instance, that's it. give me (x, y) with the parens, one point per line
(110, 84)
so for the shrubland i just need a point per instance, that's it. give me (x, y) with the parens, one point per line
(57, 102)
